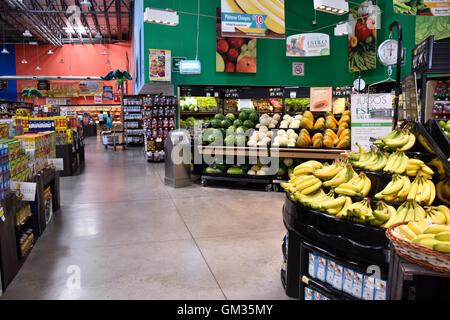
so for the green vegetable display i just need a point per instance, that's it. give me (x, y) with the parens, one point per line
(235, 170)
(413, 7)
(296, 104)
(213, 170)
(426, 26)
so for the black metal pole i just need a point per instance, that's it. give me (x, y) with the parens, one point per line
(399, 64)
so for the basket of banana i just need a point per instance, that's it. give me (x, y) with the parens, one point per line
(422, 242)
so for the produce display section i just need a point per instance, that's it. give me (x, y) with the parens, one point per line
(397, 187)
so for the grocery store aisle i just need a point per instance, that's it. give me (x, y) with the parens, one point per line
(122, 234)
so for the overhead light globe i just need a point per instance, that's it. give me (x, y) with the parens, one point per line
(38, 68)
(98, 35)
(85, 3)
(50, 52)
(5, 51)
(27, 33)
(104, 53)
(24, 61)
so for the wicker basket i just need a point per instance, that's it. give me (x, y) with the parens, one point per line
(417, 253)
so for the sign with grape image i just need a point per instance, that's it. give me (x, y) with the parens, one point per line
(234, 54)
(362, 38)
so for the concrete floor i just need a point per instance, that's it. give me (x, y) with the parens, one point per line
(131, 237)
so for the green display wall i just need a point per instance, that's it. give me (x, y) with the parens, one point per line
(274, 68)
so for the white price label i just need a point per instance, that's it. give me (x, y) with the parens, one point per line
(293, 94)
(58, 163)
(27, 189)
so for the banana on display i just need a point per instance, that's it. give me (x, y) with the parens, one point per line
(434, 236)
(439, 214)
(358, 186)
(422, 191)
(398, 139)
(314, 199)
(396, 190)
(344, 175)
(307, 167)
(383, 214)
(360, 211)
(396, 163)
(416, 166)
(335, 206)
(327, 172)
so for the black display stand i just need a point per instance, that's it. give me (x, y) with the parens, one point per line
(73, 157)
(90, 130)
(11, 259)
(355, 245)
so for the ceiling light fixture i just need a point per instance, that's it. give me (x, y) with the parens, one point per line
(61, 61)
(38, 68)
(342, 28)
(5, 51)
(167, 16)
(27, 33)
(50, 52)
(85, 3)
(104, 53)
(338, 7)
(98, 35)
(24, 61)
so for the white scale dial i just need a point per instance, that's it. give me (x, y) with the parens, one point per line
(387, 52)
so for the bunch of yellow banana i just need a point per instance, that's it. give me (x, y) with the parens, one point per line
(443, 190)
(358, 186)
(374, 160)
(307, 167)
(397, 190)
(360, 211)
(314, 199)
(416, 166)
(382, 214)
(344, 175)
(422, 191)
(435, 236)
(357, 155)
(396, 163)
(327, 172)
(408, 211)
(336, 206)
(439, 214)
(399, 139)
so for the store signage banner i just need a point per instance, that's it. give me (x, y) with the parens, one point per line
(298, 69)
(439, 27)
(362, 42)
(364, 127)
(160, 65)
(235, 54)
(58, 163)
(107, 93)
(27, 189)
(89, 86)
(320, 98)
(308, 45)
(422, 8)
(98, 99)
(58, 101)
(253, 19)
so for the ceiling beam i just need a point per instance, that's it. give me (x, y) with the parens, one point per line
(107, 20)
(84, 21)
(94, 15)
(119, 21)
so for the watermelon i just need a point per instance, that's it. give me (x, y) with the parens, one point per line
(230, 117)
(219, 116)
(215, 123)
(243, 116)
(237, 123)
(253, 116)
(249, 124)
(225, 123)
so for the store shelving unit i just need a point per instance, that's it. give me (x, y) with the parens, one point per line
(159, 114)
(132, 120)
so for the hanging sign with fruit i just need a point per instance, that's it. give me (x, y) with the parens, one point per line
(253, 18)
(235, 54)
(308, 45)
(362, 41)
(320, 98)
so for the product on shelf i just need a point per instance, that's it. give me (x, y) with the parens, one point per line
(443, 190)
(231, 105)
(296, 104)
(445, 127)
(398, 139)
(188, 104)
(262, 105)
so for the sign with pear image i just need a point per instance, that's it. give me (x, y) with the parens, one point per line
(234, 54)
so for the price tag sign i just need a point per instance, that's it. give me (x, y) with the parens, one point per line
(58, 163)
(293, 94)
(208, 94)
(27, 189)
(2, 214)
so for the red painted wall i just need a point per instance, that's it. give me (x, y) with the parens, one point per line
(84, 60)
